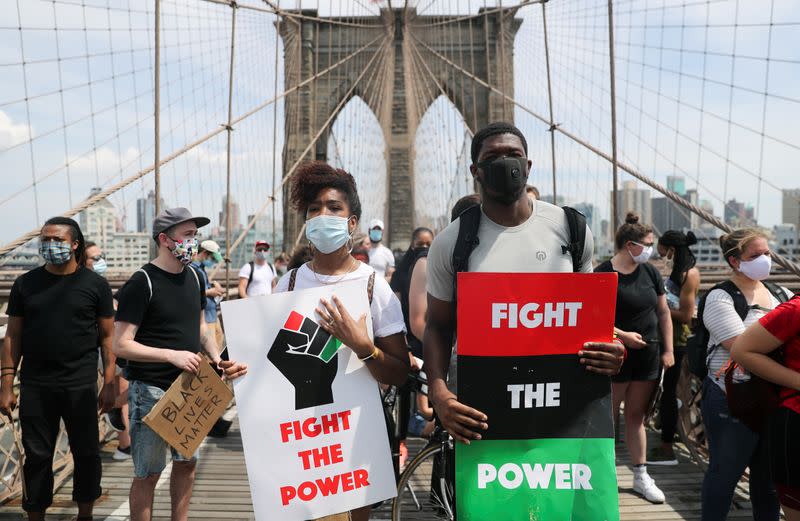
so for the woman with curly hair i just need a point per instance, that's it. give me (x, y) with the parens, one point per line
(328, 199)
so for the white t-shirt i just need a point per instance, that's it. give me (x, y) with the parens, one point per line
(534, 246)
(262, 279)
(723, 323)
(387, 315)
(381, 259)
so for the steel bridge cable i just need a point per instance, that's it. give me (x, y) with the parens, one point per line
(789, 265)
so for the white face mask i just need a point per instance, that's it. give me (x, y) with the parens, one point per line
(643, 257)
(756, 269)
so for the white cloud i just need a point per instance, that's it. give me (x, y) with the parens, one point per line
(12, 133)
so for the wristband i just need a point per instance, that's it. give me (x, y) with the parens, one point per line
(372, 355)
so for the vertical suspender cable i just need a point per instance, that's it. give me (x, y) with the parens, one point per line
(550, 103)
(157, 106)
(275, 127)
(229, 128)
(613, 81)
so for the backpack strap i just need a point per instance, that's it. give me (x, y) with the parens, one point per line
(196, 278)
(292, 279)
(252, 270)
(468, 223)
(371, 287)
(778, 292)
(149, 282)
(739, 300)
(576, 222)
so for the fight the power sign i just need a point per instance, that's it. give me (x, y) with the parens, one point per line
(314, 436)
(548, 454)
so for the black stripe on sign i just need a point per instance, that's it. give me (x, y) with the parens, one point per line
(529, 397)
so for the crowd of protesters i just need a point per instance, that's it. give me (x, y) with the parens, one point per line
(65, 325)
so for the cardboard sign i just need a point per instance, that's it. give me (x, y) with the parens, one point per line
(314, 437)
(189, 409)
(548, 454)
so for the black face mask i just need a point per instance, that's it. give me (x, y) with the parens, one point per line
(506, 176)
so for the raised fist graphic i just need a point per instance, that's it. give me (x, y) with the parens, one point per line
(305, 354)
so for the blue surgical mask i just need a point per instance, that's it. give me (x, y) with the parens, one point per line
(328, 233)
(55, 252)
(208, 263)
(262, 255)
(100, 267)
(376, 235)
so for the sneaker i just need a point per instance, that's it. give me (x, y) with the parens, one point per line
(644, 485)
(114, 417)
(121, 454)
(662, 455)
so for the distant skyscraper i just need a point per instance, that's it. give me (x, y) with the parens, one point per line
(708, 207)
(633, 199)
(692, 197)
(791, 207)
(669, 216)
(124, 251)
(146, 212)
(99, 221)
(235, 214)
(738, 214)
(676, 183)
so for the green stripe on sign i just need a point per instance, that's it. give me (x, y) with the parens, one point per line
(331, 347)
(563, 479)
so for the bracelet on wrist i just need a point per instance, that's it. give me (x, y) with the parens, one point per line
(372, 355)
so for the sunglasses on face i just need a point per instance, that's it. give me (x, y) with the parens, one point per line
(98, 257)
(262, 249)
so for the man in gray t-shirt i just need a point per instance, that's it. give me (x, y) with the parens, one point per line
(516, 235)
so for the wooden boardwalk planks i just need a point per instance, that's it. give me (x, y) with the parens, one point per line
(222, 492)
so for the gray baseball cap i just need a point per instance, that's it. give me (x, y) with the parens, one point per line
(172, 216)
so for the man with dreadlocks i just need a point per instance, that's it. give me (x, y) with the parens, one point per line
(57, 314)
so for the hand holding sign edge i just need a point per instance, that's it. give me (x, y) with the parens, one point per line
(458, 419)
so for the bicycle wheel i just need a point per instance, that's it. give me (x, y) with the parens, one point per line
(420, 496)
(690, 419)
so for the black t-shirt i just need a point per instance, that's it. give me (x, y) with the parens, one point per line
(637, 300)
(59, 325)
(169, 319)
(401, 283)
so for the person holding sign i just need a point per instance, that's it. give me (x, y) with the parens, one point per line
(329, 200)
(515, 235)
(160, 330)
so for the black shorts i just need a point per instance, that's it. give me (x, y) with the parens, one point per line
(641, 365)
(783, 443)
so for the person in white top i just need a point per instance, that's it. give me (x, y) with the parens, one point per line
(732, 445)
(258, 276)
(381, 258)
(329, 200)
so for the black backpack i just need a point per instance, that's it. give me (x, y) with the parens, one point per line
(697, 350)
(467, 241)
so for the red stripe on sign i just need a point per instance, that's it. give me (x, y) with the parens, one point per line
(294, 321)
(529, 314)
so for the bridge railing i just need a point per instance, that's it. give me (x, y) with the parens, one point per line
(12, 454)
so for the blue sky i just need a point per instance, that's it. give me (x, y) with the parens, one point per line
(668, 65)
